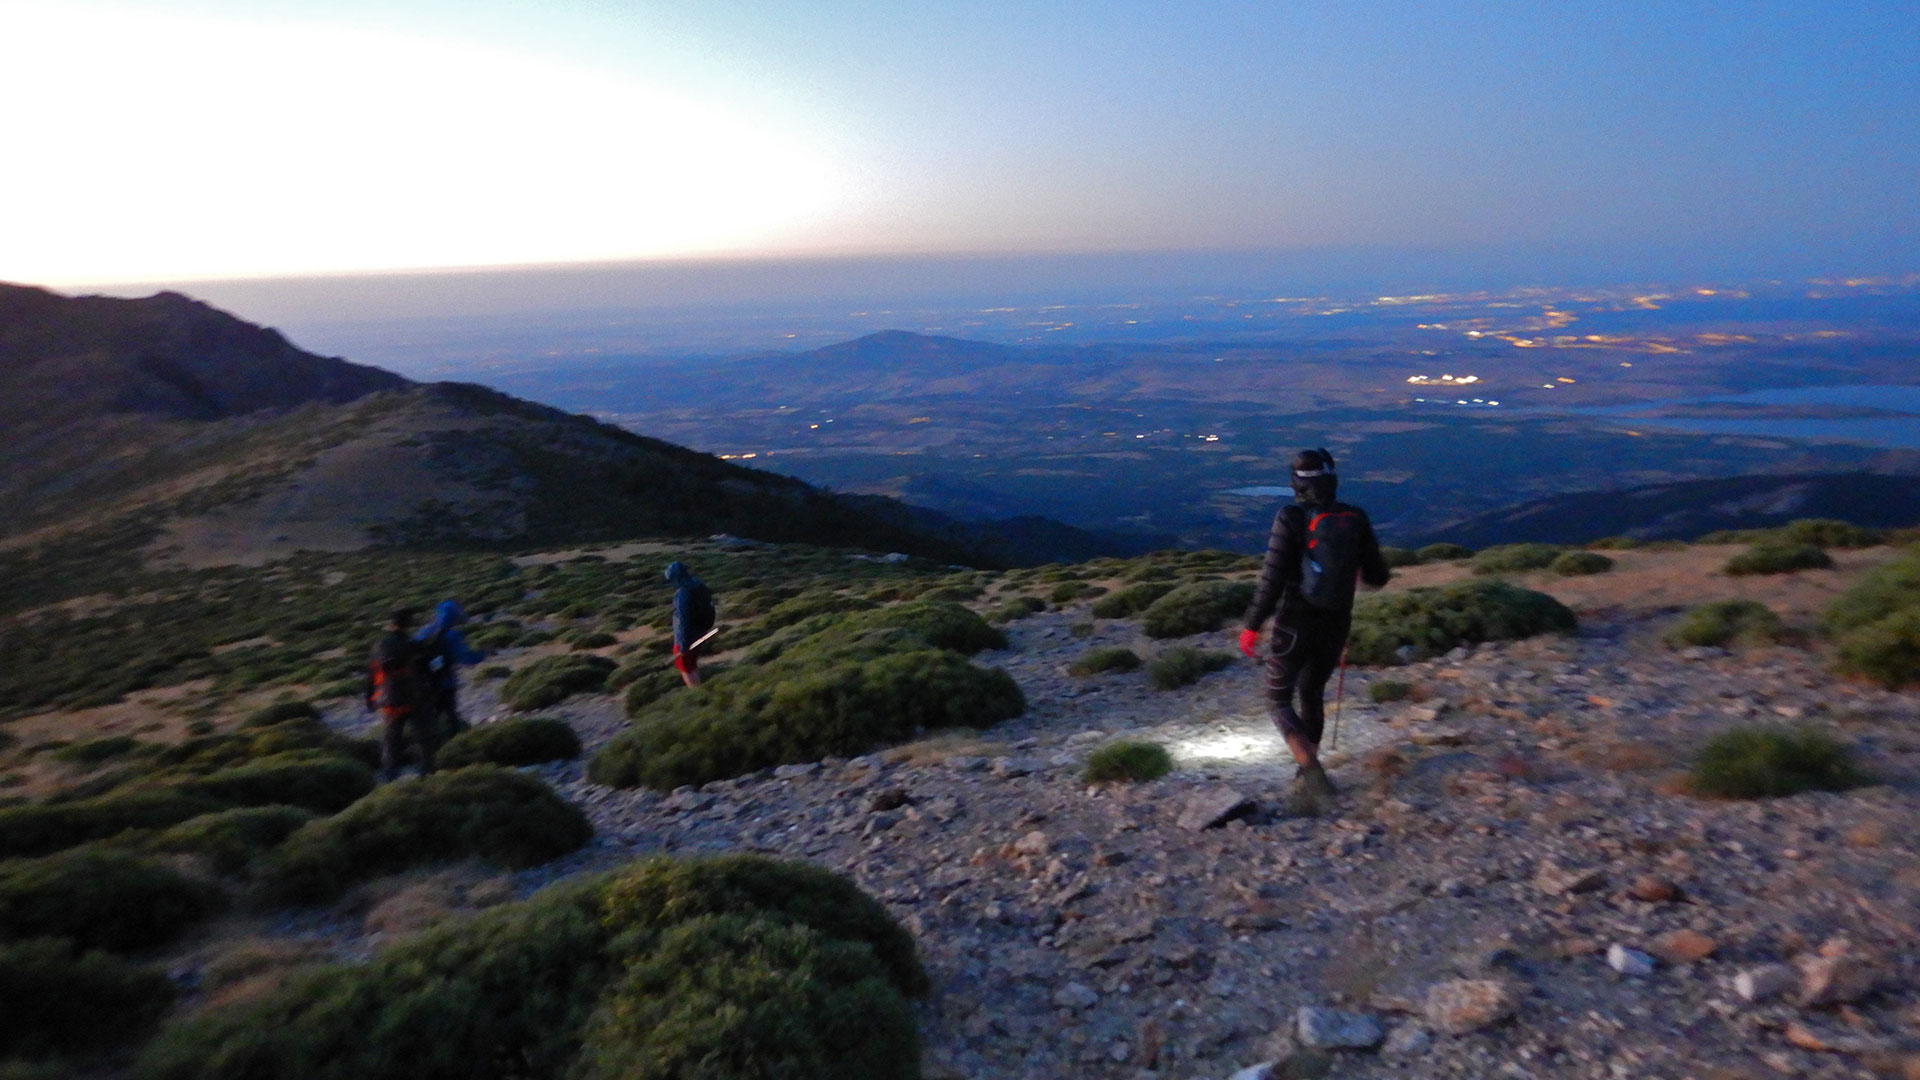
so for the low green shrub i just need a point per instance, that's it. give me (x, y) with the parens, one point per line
(280, 712)
(1384, 691)
(1184, 665)
(1195, 609)
(588, 639)
(1886, 589)
(494, 635)
(1068, 591)
(717, 967)
(510, 743)
(1778, 558)
(95, 751)
(1728, 622)
(493, 671)
(812, 603)
(941, 624)
(1105, 659)
(481, 812)
(322, 783)
(1829, 533)
(42, 828)
(1444, 552)
(1130, 600)
(1396, 557)
(1580, 564)
(643, 691)
(1127, 759)
(59, 1001)
(1886, 651)
(100, 898)
(1766, 762)
(800, 711)
(732, 996)
(1430, 621)
(553, 679)
(230, 839)
(1514, 558)
(1614, 543)
(1017, 608)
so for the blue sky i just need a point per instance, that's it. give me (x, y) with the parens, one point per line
(301, 137)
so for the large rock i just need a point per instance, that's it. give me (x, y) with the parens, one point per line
(1682, 946)
(1214, 807)
(1336, 1029)
(1630, 962)
(1459, 1006)
(1076, 996)
(1764, 983)
(1838, 979)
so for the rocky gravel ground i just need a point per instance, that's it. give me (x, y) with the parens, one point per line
(1510, 884)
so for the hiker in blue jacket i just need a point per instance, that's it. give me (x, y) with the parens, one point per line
(445, 648)
(693, 616)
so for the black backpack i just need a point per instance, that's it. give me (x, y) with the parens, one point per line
(700, 613)
(399, 674)
(1330, 556)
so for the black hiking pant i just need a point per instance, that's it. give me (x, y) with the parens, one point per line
(399, 726)
(1305, 652)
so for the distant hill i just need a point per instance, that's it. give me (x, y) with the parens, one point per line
(1690, 508)
(164, 430)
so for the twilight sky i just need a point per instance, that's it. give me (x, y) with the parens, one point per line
(166, 140)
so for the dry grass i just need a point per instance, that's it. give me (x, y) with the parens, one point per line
(938, 748)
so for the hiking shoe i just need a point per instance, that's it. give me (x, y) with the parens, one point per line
(1305, 798)
(1317, 779)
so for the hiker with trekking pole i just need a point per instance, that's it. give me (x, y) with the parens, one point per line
(1318, 552)
(693, 621)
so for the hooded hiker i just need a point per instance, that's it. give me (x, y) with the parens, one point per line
(693, 617)
(445, 648)
(399, 687)
(1318, 552)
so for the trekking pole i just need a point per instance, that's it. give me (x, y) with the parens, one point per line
(1339, 698)
(701, 640)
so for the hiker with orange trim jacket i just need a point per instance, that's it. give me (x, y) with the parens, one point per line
(1318, 552)
(397, 686)
(693, 616)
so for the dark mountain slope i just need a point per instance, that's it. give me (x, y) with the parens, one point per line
(1689, 508)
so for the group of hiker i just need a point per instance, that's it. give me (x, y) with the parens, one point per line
(1318, 552)
(413, 682)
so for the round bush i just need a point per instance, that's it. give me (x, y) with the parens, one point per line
(1384, 691)
(280, 712)
(1514, 558)
(1131, 600)
(553, 679)
(1396, 557)
(1017, 608)
(100, 898)
(477, 812)
(1101, 660)
(1184, 665)
(1129, 760)
(1777, 558)
(1430, 621)
(511, 743)
(95, 751)
(942, 624)
(1615, 543)
(60, 1002)
(1766, 762)
(41, 828)
(1829, 533)
(642, 692)
(1580, 563)
(1728, 622)
(732, 996)
(1068, 591)
(1196, 609)
(1444, 552)
(322, 783)
(1887, 651)
(231, 839)
(1888, 588)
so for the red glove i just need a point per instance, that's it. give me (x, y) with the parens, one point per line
(1249, 640)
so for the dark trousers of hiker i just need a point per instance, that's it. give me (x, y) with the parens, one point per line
(1304, 654)
(397, 727)
(446, 700)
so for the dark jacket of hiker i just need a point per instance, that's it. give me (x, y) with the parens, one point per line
(445, 646)
(692, 606)
(1281, 575)
(396, 675)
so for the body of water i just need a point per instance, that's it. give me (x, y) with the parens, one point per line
(1892, 432)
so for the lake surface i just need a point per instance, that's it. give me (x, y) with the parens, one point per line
(1892, 432)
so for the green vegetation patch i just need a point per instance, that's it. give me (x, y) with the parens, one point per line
(1128, 760)
(1068, 591)
(100, 898)
(1396, 557)
(1778, 558)
(1444, 552)
(1820, 532)
(834, 684)
(1515, 558)
(231, 839)
(1105, 659)
(1017, 608)
(59, 1001)
(1580, 564)
(1768, 762)
(480, 812)
(727, 967)
(511, 743)
(1430, 621)
(1196, 609)
(1385, 691)
(1184, 665)
(281, 712)
(1728, 622)
(553, 679)
(1876, 624)
(43, 828)
(95, 751)
(1130, 600)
